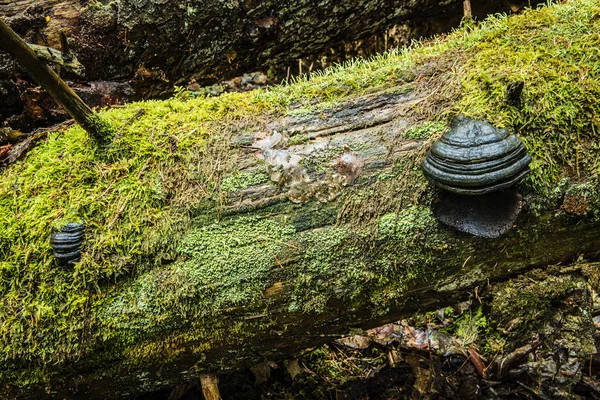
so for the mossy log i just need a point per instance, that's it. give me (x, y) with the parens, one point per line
(222, 232)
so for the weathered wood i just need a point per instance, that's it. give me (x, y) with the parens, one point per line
(155, 45)
(45, 77)
(210, 386)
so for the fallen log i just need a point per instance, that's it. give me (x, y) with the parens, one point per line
(158, 44)
(223, 232)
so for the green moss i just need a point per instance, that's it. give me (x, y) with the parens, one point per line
(102, 131)
(534, 305)
(135, 197)
(228, 264)
(409, 225)
(336, 257)
(425, 130)
(320, 272)
(552, 50)
(524, 303)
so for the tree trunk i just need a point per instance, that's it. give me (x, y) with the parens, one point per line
(156, 44)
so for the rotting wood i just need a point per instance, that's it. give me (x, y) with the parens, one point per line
(268, 329)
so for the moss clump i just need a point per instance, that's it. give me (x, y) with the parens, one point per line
(228, 264)
(523, 304)
(550, 305)
(136, 197)
(409, 225)
(100, 129)
(320, 272)
(425, 130)
(582, 199)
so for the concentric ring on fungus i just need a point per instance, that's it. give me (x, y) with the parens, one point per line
(67, 242)
(475, 158)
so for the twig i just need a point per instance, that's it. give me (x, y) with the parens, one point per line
(136, 115)
(210, 386)
(467, 13)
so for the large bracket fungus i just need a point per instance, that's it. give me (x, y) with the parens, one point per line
(477, 165)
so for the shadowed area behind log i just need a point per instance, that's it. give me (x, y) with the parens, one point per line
(133, 50)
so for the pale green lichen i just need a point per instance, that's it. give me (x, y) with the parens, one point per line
(410, 224)
(242, 180)
(229, 264)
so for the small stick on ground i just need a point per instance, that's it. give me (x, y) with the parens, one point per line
(210, 386)
(467, 13)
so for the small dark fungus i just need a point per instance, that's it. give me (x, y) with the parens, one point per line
(67, 242)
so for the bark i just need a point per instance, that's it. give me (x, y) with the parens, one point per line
(210, 386)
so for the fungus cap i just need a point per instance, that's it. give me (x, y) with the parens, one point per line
(475, 158)
(67, 242)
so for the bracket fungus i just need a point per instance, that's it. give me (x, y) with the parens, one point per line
(67, 242)
(477, 165)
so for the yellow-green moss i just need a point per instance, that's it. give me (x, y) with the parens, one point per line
(554, 51)
(425, 130)
(135, 196)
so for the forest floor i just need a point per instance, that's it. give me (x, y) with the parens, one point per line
(430, 356)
